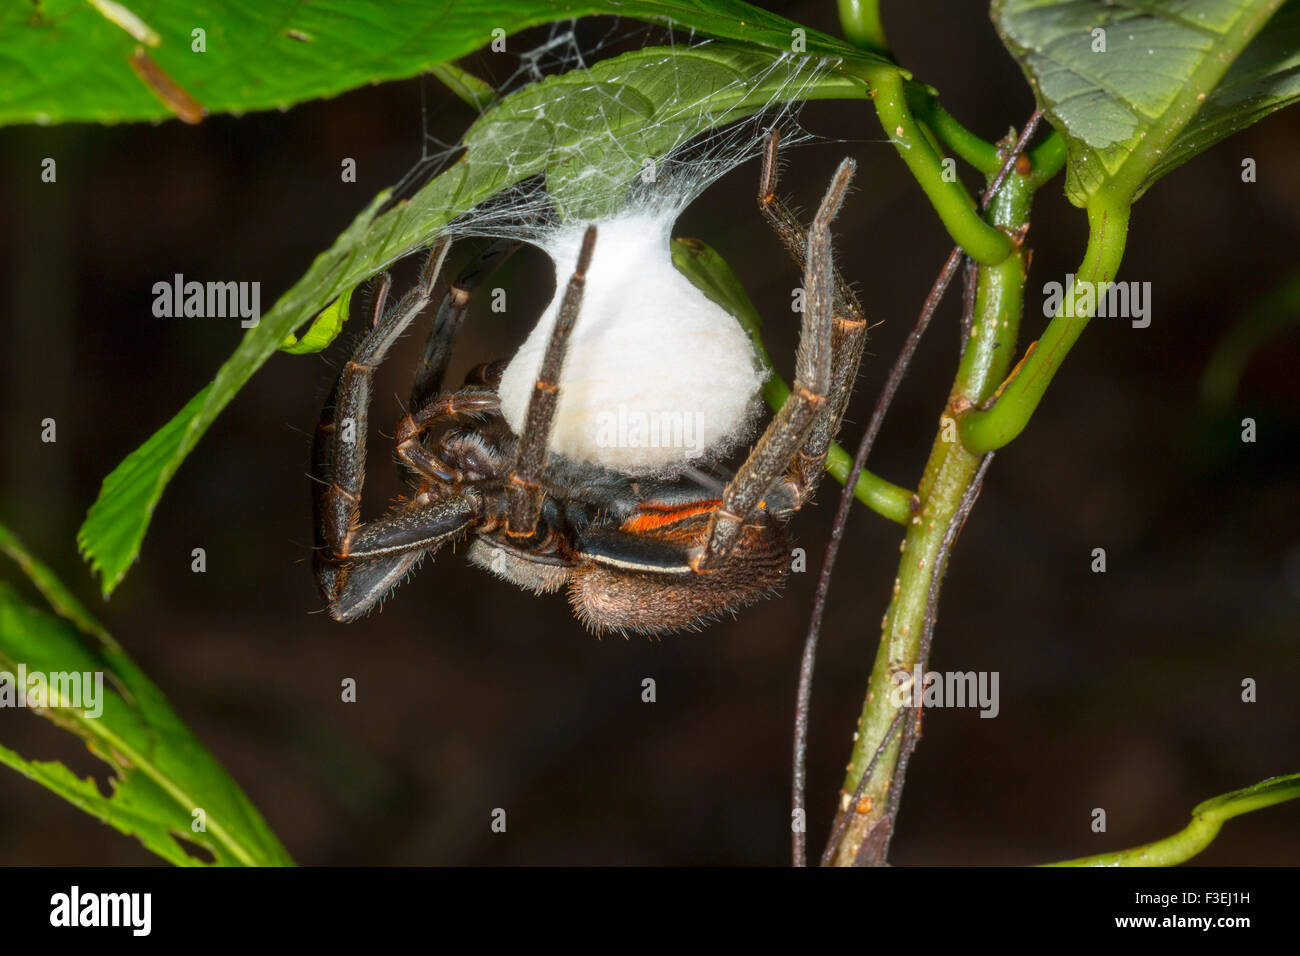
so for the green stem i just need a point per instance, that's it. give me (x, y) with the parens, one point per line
(1207, 819)
(1183, 845)
(1108, 215)
(984, 243)
(990, 429)
(948, 474)
(1047, 158)
(979, 152)
(883, 497)
(860, 20)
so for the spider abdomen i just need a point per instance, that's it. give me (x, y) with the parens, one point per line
(643, 592)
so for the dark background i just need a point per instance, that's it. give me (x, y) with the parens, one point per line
(1119, 690)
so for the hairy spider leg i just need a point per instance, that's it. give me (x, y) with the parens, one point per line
(428, 406)
(355, 563)
(339, 448)
(387, 550)
(411, 449)
(850, 331)
(431, 371)
(786, 433)
(524, 490)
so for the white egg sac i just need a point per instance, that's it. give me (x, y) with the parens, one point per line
(656, 375)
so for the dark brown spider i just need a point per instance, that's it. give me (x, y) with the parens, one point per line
(642, 555)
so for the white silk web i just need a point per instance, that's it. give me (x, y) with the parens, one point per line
(657, 376)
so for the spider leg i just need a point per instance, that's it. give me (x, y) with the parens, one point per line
(787, 432)
(412, 454)
(411, 450)
(524, 490)
(848, 339)
(384, 551)
(432, 369)
(339, 446)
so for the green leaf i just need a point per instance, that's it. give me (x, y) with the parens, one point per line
(160, 772)
(1262, 80)
(468, 88)
(541, 127)
(1207, 819)
(323, 330)
(67, 61)
(52, 589)
(1175, 77)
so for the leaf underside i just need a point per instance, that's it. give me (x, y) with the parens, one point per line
(66, 61)
(1158, 77)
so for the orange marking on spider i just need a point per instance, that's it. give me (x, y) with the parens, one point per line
(653, 516)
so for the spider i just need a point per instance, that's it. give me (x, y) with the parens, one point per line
(640, 555)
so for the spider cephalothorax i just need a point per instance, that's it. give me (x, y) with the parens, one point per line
(641, 554)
